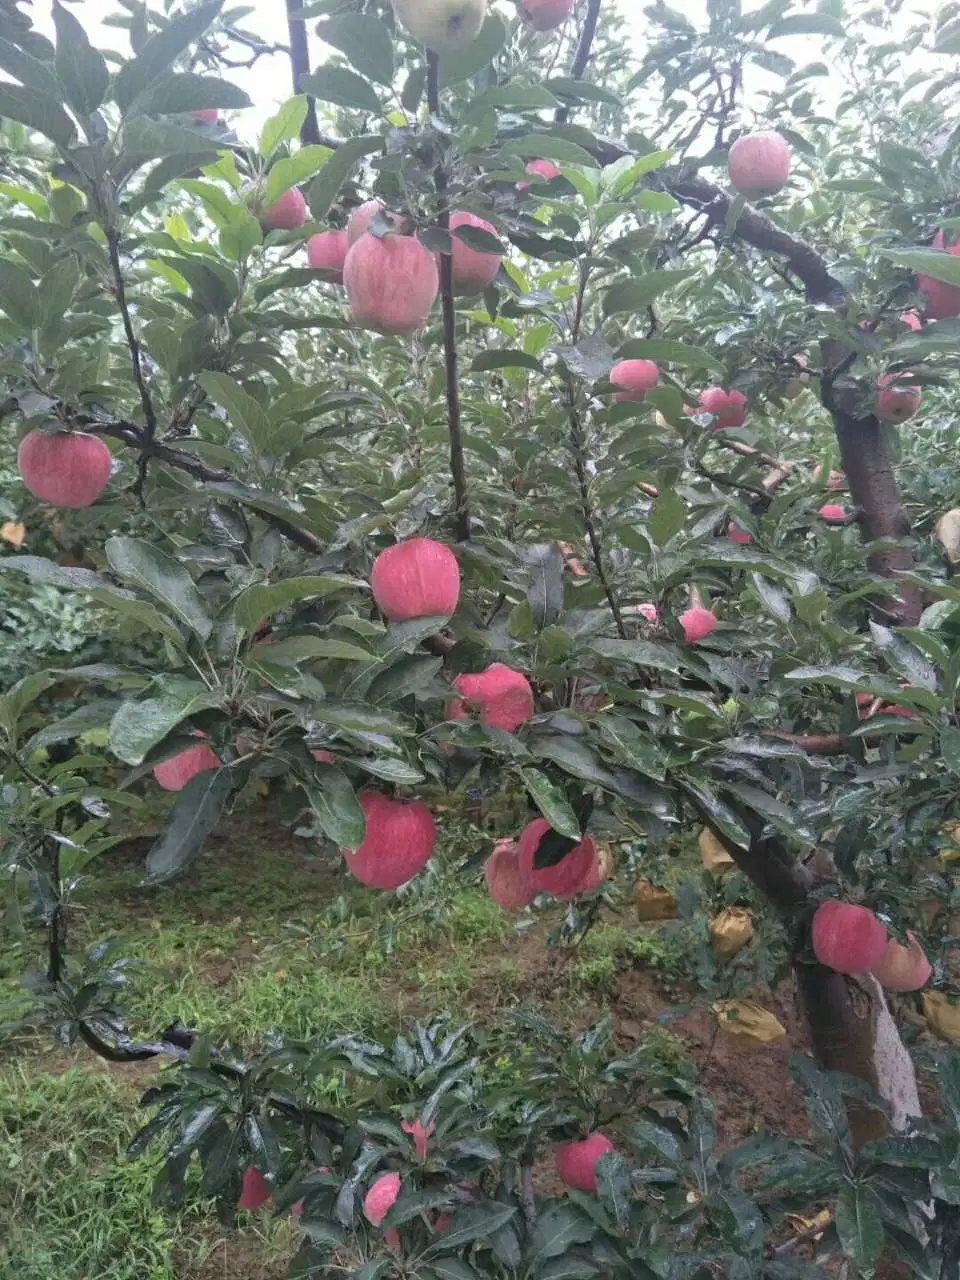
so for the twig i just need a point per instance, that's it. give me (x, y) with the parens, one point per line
(820, 744)
(133, 343)
(300, 67)
(527, 1197)
(457, 465)
(811, 1233)
(582, 56)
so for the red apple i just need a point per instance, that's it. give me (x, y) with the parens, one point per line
(760, 164)
(832, 513)
(835, 481)
(391, 283)
(738, 535)
(327, 251)
(729, 408)
(421, 1136)
(473, 270)
(566, 878)
(285, 214)
(502, 696)
(847, 938)
(896, 400)
(576, 1162)
(649, 611)
(69, 469)
(418, 578)
(911, 320)
(543, 169)
(635, 378)
(381, 1197)
(545, 15)
(399, 842)
(255, 1191)
(361, 218)
(206, 115)
(509, 877)
(943, 300)
(175, 773)
(697, 624)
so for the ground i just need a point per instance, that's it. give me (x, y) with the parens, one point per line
(267, 932)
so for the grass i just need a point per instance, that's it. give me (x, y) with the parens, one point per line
(264, 933)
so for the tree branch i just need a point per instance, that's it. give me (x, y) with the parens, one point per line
(582, 56)
(457, 465)
(300, 67)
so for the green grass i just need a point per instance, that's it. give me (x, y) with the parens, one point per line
(263, 934)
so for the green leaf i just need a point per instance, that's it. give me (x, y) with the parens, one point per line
(500, 359)
(552, 803)
(581, 91)
(342, 87)
(929, 262)
(18, 294)
(161, 50)
(409, 674)
(214, 288)
(30, 71)
(859, 1221)
(365, 41)
(545, 594)
(141, 612)
(637, 294)
(186, 91)
(245, 413)
(464, 64)
(335, 803)
(290, 171)
(807, 24)
(667, 517)
(284, 126)
(574, 757)
(36, 111)
(357, 717)
(325, 187)
(139, 725)
(472, 1222)
(666, 352)
(147, 567)
(196, 811)
(81, 69)
(558, 1229)
(259, 602)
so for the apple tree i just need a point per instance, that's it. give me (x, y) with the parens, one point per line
(523, 408)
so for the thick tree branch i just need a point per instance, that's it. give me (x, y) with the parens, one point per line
(457, 464)
(300, 67)
(582, 56)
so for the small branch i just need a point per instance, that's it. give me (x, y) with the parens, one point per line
(300, 67)
(821, 744)
(457, 465)
(582, 56)
(527, 1196)
(812, 1233)
(149, 416)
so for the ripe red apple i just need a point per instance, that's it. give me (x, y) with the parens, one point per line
(544, 15)
(418, 578)
(442, 25)
(206, 115)
(896, 400)
(635, 377)
(911, 320)
(847, 938)
(738, 535)
(381, 1197)
(175, 773)
(649, 611)
(566, 878)
(576, 1162)
(729, 408)
(903, 968)
(255, 1191)
(943, 300)
(285, 214)
(502, 696)
(327, 251)
(398, 845)
(543, 169)
(323, 757)
(391, 283)
(760, 164)
(361, 218)
(697, 624)
(421, 1136)
(473, 271)
(509, 877)
(832, 513)
(69, 469)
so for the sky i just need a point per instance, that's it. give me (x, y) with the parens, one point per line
(268, 82)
